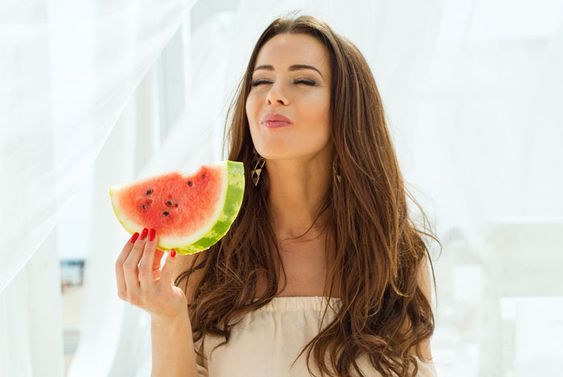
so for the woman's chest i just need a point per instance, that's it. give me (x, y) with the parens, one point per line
(306, 268)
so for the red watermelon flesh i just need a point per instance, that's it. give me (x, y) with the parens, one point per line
(190, 212)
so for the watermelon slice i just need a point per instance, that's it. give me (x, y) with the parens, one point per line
(190, 212)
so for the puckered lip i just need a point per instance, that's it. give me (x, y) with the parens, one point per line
(275, 117)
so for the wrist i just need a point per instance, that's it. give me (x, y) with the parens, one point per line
(168, 320)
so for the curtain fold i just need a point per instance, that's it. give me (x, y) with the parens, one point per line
(31, 318)
(65, 80)
(117, 343)
(67, 71)
(126, 89)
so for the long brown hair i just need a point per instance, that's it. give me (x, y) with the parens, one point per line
(379, 250)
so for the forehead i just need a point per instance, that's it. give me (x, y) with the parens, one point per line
(284, 50)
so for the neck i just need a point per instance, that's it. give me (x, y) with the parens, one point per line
(297, 189)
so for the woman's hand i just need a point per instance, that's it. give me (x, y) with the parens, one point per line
(141, 282)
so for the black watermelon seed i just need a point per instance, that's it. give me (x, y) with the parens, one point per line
(165, 213)
(146, 204)
(169, 203)
(190, 183)
(149, 191)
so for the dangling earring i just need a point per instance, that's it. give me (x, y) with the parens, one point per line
(258, 162)
(338, 178)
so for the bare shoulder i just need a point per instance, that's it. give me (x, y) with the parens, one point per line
(424, 278)
(185, 263)
(425, 282)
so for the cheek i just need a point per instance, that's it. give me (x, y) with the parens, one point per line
(318, 112)
(251, 102)
(252, 116)
(252, 110)
(315, 124)
(322, 120)
(248, 108)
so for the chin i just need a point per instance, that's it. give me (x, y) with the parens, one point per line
(274, 152)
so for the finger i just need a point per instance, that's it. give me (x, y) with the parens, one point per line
(119, 275)
(156, 262)
(131, 269)
(146, 277)
(168, 269)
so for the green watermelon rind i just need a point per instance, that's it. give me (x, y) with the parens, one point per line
(232, 202)
(230, 207)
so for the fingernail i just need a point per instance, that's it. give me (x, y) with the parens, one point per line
(151, 235)
(172, 253)
(134, 237)
(144, 234)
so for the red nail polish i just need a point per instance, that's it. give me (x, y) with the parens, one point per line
(151, 235)
(134, 237)
(144, 234)
(173, 253)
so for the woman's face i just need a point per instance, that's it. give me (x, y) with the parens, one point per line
(279, 85)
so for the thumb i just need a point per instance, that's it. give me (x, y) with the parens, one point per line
(168, 268)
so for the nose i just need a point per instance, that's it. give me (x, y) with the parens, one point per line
(276, 95)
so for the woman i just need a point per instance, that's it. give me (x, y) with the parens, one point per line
(322, 257)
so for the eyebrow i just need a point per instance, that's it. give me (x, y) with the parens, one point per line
(294, 67)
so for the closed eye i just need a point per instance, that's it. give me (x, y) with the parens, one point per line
(258, 82)
(306, 82)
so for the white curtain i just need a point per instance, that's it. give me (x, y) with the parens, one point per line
(109, 91)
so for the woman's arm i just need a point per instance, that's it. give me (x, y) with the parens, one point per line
(173, 351)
